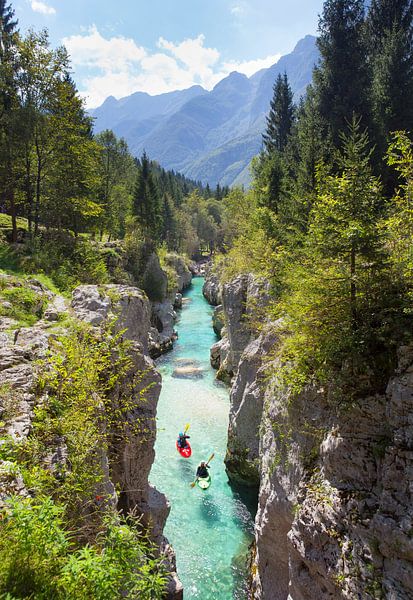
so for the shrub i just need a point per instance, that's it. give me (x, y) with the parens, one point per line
(38, 558)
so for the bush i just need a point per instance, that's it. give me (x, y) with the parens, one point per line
(38, 558)
(20, 303)
(69, 261)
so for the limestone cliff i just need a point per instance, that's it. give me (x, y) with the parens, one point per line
(163, 315)
(127, 461)
(335, 515)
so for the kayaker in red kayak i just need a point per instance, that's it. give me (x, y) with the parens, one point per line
(182, 443)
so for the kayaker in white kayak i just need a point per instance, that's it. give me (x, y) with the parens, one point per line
(202, 470)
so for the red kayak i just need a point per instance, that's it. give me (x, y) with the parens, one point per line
(185, 452)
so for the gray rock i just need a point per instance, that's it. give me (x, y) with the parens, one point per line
(246, 406)
(127, 306)
(91, 304)
(178, 301)
(212, 289)
(183, 273)
(155, 280)
(56, 307)
(218, 320)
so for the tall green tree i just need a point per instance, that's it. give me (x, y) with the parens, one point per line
(10, 124)
(40, 74)
(341, 81)
(147, 202)
(390, 31)
(345, 215)
(280, 117)
(73, 177)
(117, 170)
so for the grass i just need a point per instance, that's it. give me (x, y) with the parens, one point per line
(21, 303)
(5, 222)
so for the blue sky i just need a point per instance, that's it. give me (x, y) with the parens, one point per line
(119, 47)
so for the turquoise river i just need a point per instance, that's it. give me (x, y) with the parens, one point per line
(209, 530)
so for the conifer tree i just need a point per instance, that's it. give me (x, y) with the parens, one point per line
(280, 117)
(10, 125)
(146, 201)
(342, 79)
(390, 31)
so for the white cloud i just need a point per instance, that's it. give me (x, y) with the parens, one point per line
(42, 7)
(94, 51)
(249, 67)
(239, 9)
(117, 66)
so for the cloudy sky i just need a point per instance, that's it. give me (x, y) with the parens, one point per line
(120, 47)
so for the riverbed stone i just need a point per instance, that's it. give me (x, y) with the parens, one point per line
(188, 372)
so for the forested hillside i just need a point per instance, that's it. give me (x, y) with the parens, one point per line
(65, 190)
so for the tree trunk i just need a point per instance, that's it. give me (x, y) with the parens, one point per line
(353, 288)
(10, 195)
(29, 193)
(39, 170)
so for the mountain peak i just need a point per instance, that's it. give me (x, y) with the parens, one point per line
(234, 79)
(306, 44)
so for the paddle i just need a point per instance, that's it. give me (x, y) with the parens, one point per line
(186, 427)
(193, 484)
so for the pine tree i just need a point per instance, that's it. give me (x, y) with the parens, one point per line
(345, 215)
(383, 15)
(10, 124)
(146, 201)
(280, 117)
(73, 176)
(390, 31)
(342, 80)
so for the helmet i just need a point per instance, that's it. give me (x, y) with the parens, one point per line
(181, 434)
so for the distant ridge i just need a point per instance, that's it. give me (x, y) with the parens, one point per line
(208, 136)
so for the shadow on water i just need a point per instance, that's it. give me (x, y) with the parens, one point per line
(208, 510)
(187, 469)
(240, 565)
(247, 495)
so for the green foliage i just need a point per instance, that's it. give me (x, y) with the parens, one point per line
(39, 559)
(342, 79)
(20, 303)
(147, 201)
(67, 260)
(6, 222)
(398, 225)
(342, 307)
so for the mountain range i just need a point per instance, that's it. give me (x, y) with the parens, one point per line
(209, 136)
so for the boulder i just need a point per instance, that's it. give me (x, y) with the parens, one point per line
(178, 301)
(188, 372)
(155, 280)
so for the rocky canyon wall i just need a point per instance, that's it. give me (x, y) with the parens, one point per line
(128, 460)
(335, 479)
